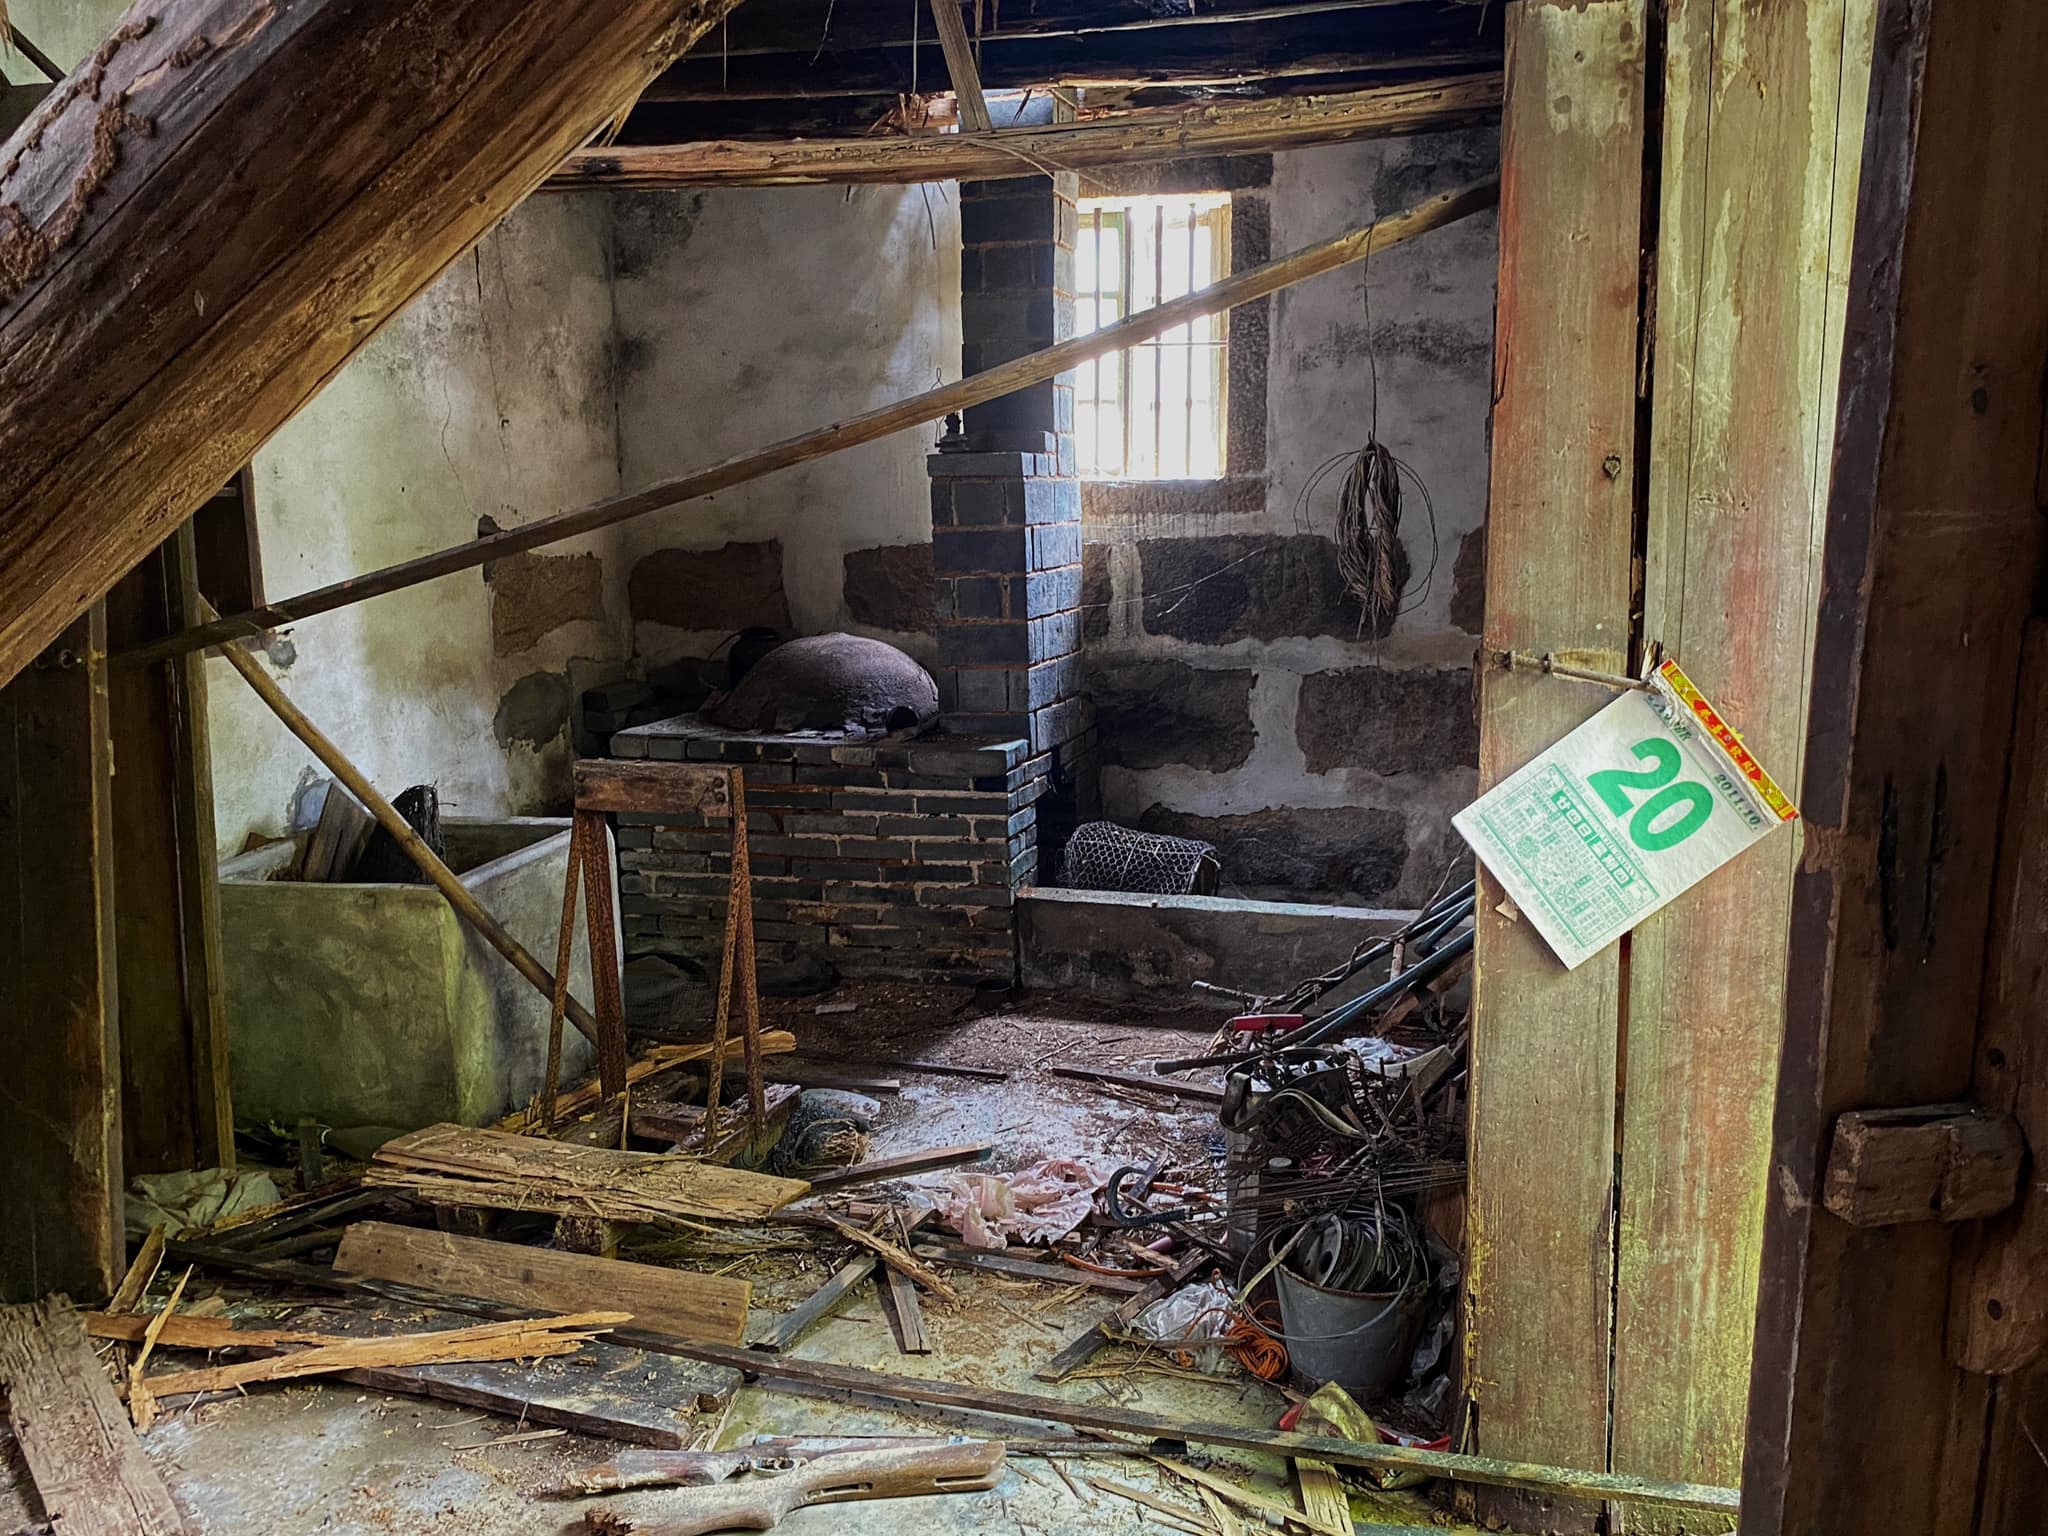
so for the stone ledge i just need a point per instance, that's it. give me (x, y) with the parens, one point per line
(942, 755)
(1121, 945)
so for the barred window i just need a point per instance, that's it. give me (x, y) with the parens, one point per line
(1154, 411)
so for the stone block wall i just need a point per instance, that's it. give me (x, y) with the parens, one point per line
(1239, 696)
(901, 859)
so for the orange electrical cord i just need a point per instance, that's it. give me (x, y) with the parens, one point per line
(1256, 1349)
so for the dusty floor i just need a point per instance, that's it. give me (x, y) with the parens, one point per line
(349, 1462)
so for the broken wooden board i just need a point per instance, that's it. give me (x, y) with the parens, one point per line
(899, 1300)
(820, 1304)
(895, 1257)
(613, 1390)
(812, 1074)
(90, 1471)
(902, 1167)
(456, 1165)
(141, 1271)
(1085, 1345)
(517, 1339)
(648, 788)
(1143, 1082)
(1936, 1162)
(948, 1069)
(662, 1300)
(683, 1124)
(337, 838)
(180, 1331)
(1018, 1267)
(774, 1042)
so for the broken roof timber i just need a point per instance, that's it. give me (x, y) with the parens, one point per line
(1238, 128)
(143, 357)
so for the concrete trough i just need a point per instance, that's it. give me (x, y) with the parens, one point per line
(1125, 946)
(375, 1005)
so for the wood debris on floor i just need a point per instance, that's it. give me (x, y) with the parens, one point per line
(660, 1299)
(90, 1472)
(457, 1166)
(450, 1278)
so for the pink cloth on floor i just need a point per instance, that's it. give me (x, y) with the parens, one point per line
(1033, 1205)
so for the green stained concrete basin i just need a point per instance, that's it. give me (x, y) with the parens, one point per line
(376, 1005)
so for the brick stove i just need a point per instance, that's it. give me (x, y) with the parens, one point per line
(897, 858)
(903, 858)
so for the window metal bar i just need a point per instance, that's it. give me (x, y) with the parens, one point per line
(1114, 294)
(1126, 273)
(1094, 316)
(1187, 355)
(1158, 358)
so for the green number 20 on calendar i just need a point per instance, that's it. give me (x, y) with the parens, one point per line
(1644, 800)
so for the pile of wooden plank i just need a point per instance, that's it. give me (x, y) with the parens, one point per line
(455, 1165)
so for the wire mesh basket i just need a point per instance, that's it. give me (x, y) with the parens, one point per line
(1102, 856)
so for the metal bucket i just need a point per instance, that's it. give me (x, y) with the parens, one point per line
(1361, 1340)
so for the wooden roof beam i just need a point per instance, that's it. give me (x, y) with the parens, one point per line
(1255, 127)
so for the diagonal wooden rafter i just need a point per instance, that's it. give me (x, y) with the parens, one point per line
(960, 66)
(142, 357)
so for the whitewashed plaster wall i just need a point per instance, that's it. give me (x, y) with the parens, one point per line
(489, 396)
(749, 316)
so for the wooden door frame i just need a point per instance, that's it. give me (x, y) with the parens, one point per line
(1932, 583)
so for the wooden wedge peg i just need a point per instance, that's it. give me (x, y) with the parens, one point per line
(1936, 1162)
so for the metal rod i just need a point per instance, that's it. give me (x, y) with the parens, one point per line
(1159, 349)
(1525, 661)
(1187, 357)
(993, 384)
(357, 783)
(35, 55)
(1126, 369)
